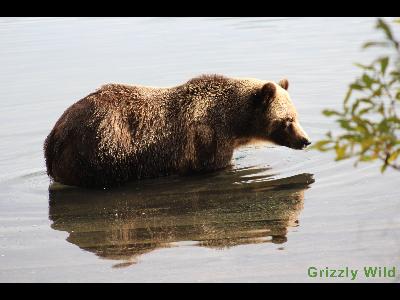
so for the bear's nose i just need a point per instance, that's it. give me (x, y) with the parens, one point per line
(305, 142)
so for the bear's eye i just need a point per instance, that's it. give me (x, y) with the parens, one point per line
(287, 123)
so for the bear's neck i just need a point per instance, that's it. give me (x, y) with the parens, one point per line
(225, 104)
(245, 116)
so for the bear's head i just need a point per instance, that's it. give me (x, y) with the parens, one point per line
(278, 121)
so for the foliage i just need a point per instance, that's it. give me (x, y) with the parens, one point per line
(369, 122)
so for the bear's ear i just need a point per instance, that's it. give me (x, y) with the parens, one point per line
(284, 83)
(265, 94)
(268, 91)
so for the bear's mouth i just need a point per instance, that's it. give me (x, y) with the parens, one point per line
(301, 145)
(282, 140)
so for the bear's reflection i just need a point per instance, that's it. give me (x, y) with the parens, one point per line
(221, 210)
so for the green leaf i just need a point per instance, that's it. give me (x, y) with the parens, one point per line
(393, 156)
(367, 158)
(393, 120)
(383, 126)
(395, 74)
(329, 112)
(381, 109)
(347, 97)
(367, 100)
(355, 105)
(356, 86)
(384, 63)
(320, 145)
(364, 111)
(364, 67)
(373, 44)
(351, 137)
(382, 25)
(345, 124)
(383, 168)
(367, 80)
(366, 144)
(341, 152)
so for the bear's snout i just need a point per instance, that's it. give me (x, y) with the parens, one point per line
(300, 144)
(304, 143)
(297, 137)
(302, 138)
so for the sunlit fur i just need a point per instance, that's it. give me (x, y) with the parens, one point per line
(122, 132)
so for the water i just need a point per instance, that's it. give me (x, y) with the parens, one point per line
(274, 214)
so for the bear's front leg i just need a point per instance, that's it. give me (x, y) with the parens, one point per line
(207, 150)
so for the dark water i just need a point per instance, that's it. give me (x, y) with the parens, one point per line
(275, 213)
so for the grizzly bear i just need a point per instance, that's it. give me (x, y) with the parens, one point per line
(123, 132)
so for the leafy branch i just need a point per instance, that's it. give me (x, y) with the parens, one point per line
(369, 122)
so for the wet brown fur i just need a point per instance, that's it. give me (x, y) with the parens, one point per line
(122, 132)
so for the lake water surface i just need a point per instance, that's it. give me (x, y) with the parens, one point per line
(275, 213)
